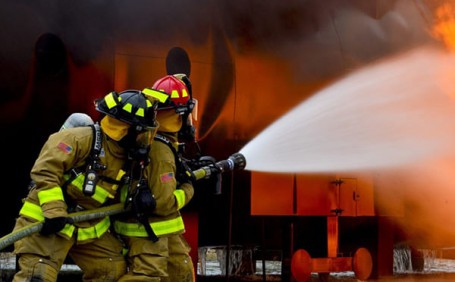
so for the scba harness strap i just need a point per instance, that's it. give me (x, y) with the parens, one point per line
(184, 173)
(90, 169)
(93, 163)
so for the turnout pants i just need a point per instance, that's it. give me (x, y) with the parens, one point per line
(167, 260)
(41, 257)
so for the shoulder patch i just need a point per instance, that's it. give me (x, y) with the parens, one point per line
(166, 177)
(67, 149)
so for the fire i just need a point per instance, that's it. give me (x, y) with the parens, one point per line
(444, 26)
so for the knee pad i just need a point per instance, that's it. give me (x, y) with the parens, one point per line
(43, 270)
(35, 269)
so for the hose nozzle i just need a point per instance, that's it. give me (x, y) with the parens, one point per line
(235, 161)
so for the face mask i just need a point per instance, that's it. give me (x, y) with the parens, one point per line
(169, 120)
(145, 138)
(138, 144)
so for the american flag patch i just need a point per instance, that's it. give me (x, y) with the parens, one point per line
(67, 149)
(165, 177)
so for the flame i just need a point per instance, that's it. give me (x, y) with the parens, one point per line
(444, 27)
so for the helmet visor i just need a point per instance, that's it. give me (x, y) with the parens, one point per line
(144, 138)
(194, 109)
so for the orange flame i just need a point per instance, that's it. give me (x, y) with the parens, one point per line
(444, 27)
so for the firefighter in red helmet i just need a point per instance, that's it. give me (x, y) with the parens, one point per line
(164, 254)
(78, 169)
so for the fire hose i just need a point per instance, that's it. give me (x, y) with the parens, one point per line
(235, 161)
(77, 217)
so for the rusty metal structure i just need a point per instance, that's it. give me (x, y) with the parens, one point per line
(250, 63)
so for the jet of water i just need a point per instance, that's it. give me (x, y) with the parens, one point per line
(395, 112)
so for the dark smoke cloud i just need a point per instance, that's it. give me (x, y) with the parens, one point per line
(310, 33)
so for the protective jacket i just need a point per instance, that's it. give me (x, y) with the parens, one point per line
(170, 194)
(58, 176)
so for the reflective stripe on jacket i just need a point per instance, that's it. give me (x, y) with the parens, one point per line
(101, 195)
(64, 151)
(161, 228)
(170, 196)
(35, 212)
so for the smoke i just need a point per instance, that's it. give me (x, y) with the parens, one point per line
(319, 40)
(420, 198)
(346, 37)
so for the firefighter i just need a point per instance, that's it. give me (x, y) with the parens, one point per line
(160, 253)
(80, 169)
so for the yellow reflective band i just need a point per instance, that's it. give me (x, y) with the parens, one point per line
(32, 211)
(120, 174)
(100, 195)
(95, 231)
(140, 112)
(49, 195)
(168, 226)
(175, 94)
(184, 93)
(128, 107)
(161, 96)
(180, 197)
(110, 101)
(78, 181)
(68, 230)
(149, 104)
(160, 228)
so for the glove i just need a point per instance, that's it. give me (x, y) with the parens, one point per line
(143, 201)
(54, 225)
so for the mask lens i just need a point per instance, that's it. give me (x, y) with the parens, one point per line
(145, 138)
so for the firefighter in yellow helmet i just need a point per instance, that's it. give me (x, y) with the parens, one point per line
(80, 169)
(164, 254)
